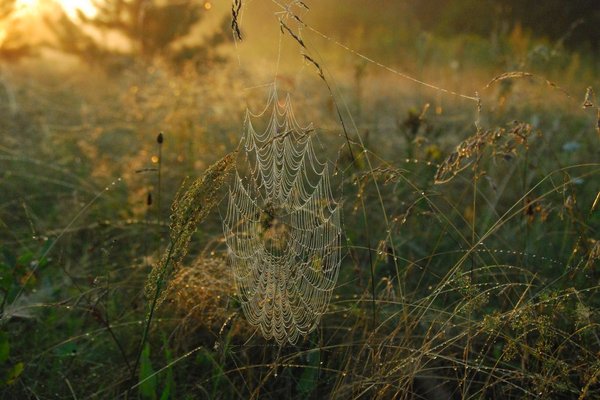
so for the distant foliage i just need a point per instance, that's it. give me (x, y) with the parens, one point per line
(12, 45)
(575, 23)
(147, 29)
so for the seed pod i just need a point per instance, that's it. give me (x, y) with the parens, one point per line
(160, 138)
(588, 101)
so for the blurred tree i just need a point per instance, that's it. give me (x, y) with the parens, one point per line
(13, 47)
(6, 8)
(123, 31)
(574, 23)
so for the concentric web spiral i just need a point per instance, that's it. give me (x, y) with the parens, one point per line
(282, 227)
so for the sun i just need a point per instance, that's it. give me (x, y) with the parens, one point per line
(70, 6)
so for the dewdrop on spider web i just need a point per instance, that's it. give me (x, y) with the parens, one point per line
(282, 227)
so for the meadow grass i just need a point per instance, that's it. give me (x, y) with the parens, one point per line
(470, 257)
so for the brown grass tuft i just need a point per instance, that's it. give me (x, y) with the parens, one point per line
(502, 142)
(202, 294)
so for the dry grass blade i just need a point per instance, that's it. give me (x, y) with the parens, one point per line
(522, 74)
(595, 203)
(509, 75)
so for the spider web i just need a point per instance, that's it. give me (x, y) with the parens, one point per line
(282, 227)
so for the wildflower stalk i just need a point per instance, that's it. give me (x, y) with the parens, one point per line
(159, 140)
(189, 209)
(153, 306)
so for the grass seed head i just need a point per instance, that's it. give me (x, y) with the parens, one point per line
(191, 205)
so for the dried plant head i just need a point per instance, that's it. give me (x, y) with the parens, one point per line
(534, 208)
(588, 101)
(504, 143)
(201, 294)
(387, 174)
(191, 205)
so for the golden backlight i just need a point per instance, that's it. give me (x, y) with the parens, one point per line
(70, 6)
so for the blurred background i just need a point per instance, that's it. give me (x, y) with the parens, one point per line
(175, 66)
(87, 85)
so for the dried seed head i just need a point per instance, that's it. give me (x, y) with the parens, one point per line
(160, 138)
(201, 291)
(235, 14)
(589, 96)
(191, 205)
(503, 143)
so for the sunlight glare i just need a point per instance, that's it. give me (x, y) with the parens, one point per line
(70, 6)
(26, 5)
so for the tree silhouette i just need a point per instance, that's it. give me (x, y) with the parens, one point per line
(147, 30)
(12, 45)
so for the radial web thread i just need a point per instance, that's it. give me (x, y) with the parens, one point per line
(282, 226)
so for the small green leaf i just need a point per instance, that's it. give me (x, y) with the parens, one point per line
(166, 394)
(147, 377)
(14, 373)
(168, 391)
(25, 258)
